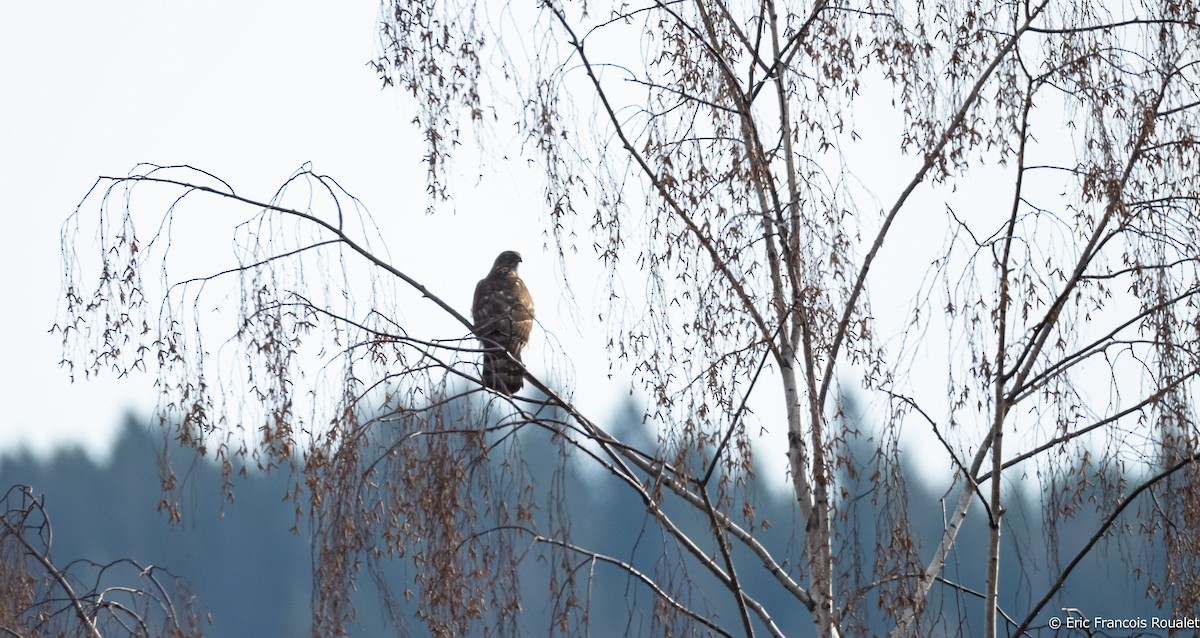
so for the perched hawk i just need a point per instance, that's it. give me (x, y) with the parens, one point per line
(503, 316)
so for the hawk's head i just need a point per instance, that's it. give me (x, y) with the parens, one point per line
(506, 263)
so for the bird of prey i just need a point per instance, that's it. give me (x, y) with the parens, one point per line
(503, 316)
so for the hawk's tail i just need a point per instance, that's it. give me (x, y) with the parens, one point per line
(501, 374)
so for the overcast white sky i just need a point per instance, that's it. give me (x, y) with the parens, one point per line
(249, 92)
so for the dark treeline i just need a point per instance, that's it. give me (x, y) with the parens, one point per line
(254, 575)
